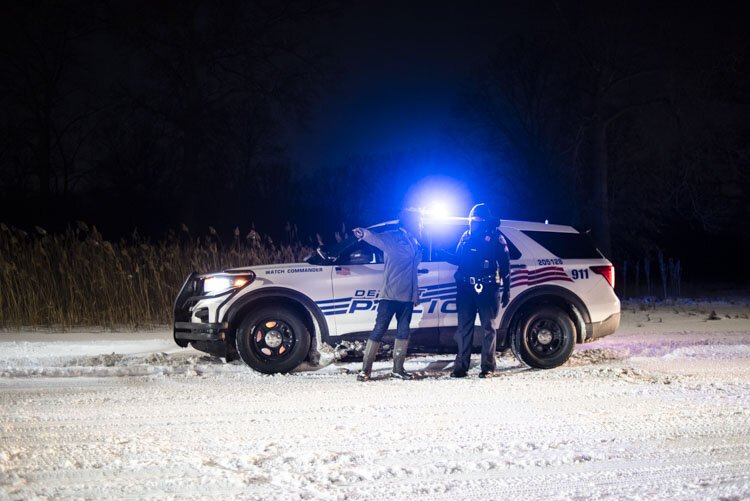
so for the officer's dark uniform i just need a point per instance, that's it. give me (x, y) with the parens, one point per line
(481, 252)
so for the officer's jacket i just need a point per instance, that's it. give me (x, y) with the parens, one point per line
(481, 254)
(402, 257)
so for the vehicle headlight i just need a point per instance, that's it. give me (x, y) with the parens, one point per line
(218, 283)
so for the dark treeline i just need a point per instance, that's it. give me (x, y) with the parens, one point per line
(151, 113)
(641, 112)
(629, 120)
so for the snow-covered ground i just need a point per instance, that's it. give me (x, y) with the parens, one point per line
(660, 410)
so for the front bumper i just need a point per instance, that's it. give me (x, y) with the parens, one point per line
(198, 331)
(185, 330)
(194, 309)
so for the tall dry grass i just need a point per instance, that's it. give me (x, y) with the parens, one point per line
(77, 278)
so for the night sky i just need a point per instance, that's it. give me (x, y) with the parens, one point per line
(403, 66)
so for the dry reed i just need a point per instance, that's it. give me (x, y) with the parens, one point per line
(79, 279)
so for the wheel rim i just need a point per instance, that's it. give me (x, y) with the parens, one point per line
(272, 339)
(545, 338)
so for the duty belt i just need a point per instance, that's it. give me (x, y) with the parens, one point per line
(478, 282)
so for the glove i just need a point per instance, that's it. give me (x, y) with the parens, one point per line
(358, 233)
(439, 255)
(506, 298)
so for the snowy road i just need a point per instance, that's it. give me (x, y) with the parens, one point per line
(659, 410)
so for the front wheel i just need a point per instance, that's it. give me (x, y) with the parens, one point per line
(272, 340)
(544, 338)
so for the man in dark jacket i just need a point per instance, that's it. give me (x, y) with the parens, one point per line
(483, 264)
(400, 292)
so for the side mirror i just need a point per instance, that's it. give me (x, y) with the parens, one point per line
(320, 253)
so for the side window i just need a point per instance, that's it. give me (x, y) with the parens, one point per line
(512, 249)
(566, 245)
(445, 239)
(362, 253)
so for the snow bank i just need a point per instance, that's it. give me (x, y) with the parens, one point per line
(105, 358)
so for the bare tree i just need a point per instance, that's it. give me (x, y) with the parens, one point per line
(553, 94)
(46, 104)
(217, 78)
(622, 64)
(520, 110)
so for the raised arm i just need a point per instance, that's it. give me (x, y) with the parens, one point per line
(371, 238)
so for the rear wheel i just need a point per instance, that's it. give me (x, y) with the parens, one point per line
(544, 337)
(273, 339)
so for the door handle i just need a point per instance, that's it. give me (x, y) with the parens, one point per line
(517, 266)
(422, 271)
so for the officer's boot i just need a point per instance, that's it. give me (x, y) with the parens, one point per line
(399, 355)
(369, 357)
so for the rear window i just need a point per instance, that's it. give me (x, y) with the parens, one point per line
(566, 245)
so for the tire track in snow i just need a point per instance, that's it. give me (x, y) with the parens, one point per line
(575, 432)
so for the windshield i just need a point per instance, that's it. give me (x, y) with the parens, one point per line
(328, 254)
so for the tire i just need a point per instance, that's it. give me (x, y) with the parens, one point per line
(272, 340)
(544, 337)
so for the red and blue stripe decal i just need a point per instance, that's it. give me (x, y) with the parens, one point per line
(520, 278)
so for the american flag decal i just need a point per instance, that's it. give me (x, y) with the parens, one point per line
(538, 276)
(343, 271)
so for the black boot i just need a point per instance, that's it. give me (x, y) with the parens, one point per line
(369, 357)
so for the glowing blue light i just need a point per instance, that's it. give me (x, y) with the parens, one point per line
(439, 197)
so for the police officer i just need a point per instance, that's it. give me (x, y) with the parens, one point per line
(482, 252)
(400, 292)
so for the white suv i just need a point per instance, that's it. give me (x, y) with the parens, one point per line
(276, 316)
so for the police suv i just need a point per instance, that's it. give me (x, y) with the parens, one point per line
(275, 317)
